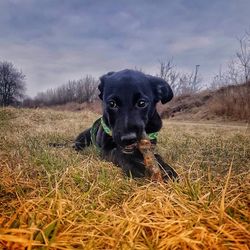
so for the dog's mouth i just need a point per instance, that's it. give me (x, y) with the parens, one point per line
(129, 149)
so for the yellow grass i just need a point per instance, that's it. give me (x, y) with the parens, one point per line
(54, 198)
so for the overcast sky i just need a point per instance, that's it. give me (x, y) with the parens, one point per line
(53, 41)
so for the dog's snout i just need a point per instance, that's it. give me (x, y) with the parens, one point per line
(129, 139)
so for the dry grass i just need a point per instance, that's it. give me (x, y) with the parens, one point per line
(54, 198)
(232, 101)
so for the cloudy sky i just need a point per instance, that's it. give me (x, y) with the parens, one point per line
(53, 41)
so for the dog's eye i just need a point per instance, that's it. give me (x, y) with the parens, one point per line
(112, 104)
(141, 103)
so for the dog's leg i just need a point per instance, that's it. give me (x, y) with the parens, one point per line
(83, 140)
(167, 171)
(132, 166)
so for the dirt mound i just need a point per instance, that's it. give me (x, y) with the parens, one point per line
(226, 103)
(188, 106)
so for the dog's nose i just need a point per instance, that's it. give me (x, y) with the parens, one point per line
(129, 139)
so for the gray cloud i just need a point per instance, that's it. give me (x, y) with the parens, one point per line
(54, 41)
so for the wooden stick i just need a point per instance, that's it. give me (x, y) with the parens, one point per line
(150, 162)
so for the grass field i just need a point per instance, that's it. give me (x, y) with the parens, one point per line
(54, 198)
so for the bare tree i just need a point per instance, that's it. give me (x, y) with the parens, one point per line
(218, 81)
(87, 88)
(238, 68)
(243, 56)
(194, 84)
(233, 75)
(189, 83)
(12, 84)
(170, 75)
(181, 83)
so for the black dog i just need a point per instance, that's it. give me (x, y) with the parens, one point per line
(129, 113)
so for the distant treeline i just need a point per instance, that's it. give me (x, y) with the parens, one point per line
(78, 91)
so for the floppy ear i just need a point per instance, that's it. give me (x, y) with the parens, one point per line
(154, 123)
(161, 88)
(102, 82)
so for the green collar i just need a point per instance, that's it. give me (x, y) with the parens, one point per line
(107, 130)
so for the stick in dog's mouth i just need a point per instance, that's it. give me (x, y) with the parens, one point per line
(150, 162)
(146, 149)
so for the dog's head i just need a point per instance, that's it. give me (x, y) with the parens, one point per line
(129, 105)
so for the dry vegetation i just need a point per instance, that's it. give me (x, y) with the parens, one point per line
(54, 198)
(232, 101)
(227, 103)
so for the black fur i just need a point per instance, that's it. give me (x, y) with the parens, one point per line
(129, 109)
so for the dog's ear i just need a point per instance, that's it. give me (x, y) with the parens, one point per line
(102, 83)
(161, 88)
